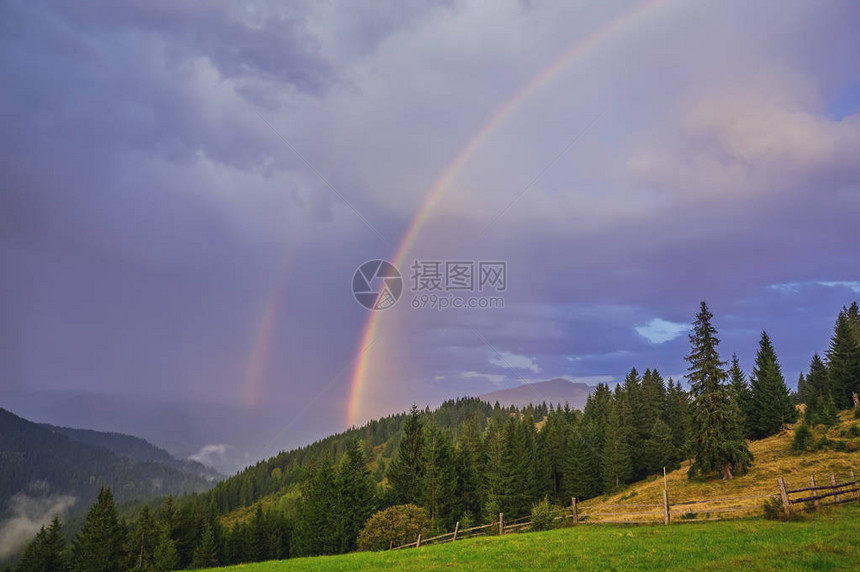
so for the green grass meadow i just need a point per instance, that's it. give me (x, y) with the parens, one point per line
(826, 541)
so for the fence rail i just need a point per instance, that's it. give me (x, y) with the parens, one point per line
(840, 492)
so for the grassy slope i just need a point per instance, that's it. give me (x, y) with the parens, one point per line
(773, 458)
(828, 541)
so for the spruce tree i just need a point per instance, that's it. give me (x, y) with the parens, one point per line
(355, 496)
(316, 533)
(661, 449)
(818, 394)
(677, 414)
(406, 472)
(581, 475)
(617, 466)
(716, 441)
(46, 553)
(772, 406)
(99, 545)
(468, 488)
(438, 488)
(166, 555)
(142, 541)
(206, 551)
(843, 362)
(742, 394)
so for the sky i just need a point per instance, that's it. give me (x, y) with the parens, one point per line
(187, 190)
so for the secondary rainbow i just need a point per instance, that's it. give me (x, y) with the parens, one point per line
(579, 49)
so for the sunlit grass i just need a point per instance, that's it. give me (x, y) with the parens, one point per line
(826, 541)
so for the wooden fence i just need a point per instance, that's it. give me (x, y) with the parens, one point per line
(663, 512)
(838, 492)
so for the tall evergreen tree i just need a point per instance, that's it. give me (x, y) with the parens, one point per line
(661, 449)
(316, 532)
(742, 395)
(99, 545)
(469, 500)
(166, 555)
(355, 496)
(771, 405)
(46, 553)
(142, 541)
(206, 551)
(438, 488)
(617, 466)
(716, 441)
(843, 362)
(406, 472)
(677, 414)
(581, 475)
(818, 394)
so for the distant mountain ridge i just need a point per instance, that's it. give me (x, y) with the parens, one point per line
(31, 453)
(552, 392)
(135, 448)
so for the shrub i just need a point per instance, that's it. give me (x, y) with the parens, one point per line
(802, 438)
(841, 446)
(857, 413)
(853, 431)
(772, 509)
(542, 515)
(397, 524)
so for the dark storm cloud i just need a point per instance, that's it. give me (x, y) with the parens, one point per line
(174, 174)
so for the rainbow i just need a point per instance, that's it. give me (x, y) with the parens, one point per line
(579, 49)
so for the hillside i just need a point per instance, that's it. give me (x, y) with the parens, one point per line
(135, 448)
(774, 458)
(553, 392)
(826, 541)
(31, 453)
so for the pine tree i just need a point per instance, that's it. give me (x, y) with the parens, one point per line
(206, 551)
(468, 488)
(716, 441)
(843, 365)
(742, 394)
(355, 496)
(677, 414)
(438, 489)
(46, 553)
(661, 449)
(581, 475)
(99, 546)
(143, 540)
(406, 472)
(166, 555)
(818, 394)
(617, 466)
(317, 523)
(771, 406)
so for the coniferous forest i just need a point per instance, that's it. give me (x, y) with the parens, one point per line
(467, 461)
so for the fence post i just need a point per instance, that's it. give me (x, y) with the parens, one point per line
(501, 524)
(786, 505)
(418, 542)
(815, 501)
(391, 545)
(665, 498)
(456, 530)
(854, 483)
(573, 509)
(833, 482)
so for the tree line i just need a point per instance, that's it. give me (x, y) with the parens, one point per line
(468, 461)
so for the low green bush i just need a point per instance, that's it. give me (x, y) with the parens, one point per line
(395, 525)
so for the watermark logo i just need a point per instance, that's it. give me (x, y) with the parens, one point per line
(377, 284)
(435, 284)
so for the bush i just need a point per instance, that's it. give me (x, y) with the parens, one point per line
(802, 438)
(857, 413)
(542, 515)
(397, 524)
(772, 509)
(841, 446)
